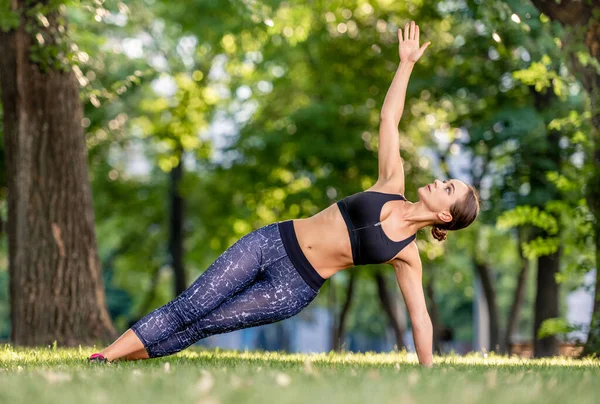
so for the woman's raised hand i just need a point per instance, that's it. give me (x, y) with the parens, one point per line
(409, 45)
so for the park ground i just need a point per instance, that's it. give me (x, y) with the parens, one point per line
(212, 376)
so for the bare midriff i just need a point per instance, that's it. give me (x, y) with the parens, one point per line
(325, 242)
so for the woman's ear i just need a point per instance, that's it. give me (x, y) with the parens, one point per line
(445, 216)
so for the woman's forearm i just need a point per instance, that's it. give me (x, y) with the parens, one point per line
(393, 105)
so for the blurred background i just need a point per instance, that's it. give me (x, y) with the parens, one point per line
(205, 120)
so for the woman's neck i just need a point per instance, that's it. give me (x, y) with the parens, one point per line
(417, 215)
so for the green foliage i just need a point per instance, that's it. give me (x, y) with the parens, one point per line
(540, 246)
(312, 138)
(555, 326)
(522, 215)
(303, 85)
(51, 47)
(541, 76)
(531, 215)
(9, 19)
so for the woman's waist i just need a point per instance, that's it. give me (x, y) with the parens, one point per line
(324, 240)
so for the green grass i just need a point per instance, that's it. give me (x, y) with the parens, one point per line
(196, 375)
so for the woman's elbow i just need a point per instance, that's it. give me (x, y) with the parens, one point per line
(390, 117)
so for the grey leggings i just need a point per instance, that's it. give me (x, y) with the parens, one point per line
(253, 282)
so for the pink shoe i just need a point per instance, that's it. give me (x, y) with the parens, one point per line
(97, 357)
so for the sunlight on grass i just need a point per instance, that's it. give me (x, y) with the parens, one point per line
(212, 376)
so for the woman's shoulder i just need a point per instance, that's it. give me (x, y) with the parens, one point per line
(388, 187)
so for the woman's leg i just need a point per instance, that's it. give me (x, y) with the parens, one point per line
(279, 293)
(141, 354)
(125, 345)
(233, 271)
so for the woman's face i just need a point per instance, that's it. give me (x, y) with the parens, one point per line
(440, 195)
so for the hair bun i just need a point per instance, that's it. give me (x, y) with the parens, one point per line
(439, 234)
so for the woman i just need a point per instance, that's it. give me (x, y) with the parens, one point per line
(274, 272)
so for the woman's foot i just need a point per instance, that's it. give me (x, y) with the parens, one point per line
(127, 345)
(97, 357)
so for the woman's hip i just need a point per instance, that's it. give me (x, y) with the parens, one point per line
(280, 252)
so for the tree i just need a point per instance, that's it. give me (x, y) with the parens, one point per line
(56, 287)
(582, 45)
(506, 127)
(340, 323)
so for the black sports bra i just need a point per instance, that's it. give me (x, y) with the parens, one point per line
(370, 244)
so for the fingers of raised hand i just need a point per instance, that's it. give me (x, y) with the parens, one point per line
(411, 32)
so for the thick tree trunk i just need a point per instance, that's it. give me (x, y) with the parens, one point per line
(485, 274)
(568, 12)
(339, 331)
(176, 204)
(434, 315)
(390, 309)
(576, 13)
(56, 287)
(513, 317)
(546, 303)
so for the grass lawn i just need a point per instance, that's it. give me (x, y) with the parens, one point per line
(196, 375)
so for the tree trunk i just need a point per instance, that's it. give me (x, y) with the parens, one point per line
(176, 204)
(333, 306)
(591, 82)
(513, 317)
(592, 86)
(592, 344)
(578, 14)
(546, 300)
(389, 308)
(339, 331)
(56, 287)
(284, 336)
(546, 303)
(434, 315)
(487, 282)
(1, 220)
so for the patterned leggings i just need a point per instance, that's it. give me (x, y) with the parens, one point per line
(252, 283)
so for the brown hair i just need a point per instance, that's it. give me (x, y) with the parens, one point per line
(463, 212)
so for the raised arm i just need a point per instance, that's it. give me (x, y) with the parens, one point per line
(390, 164)
(409, 278)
